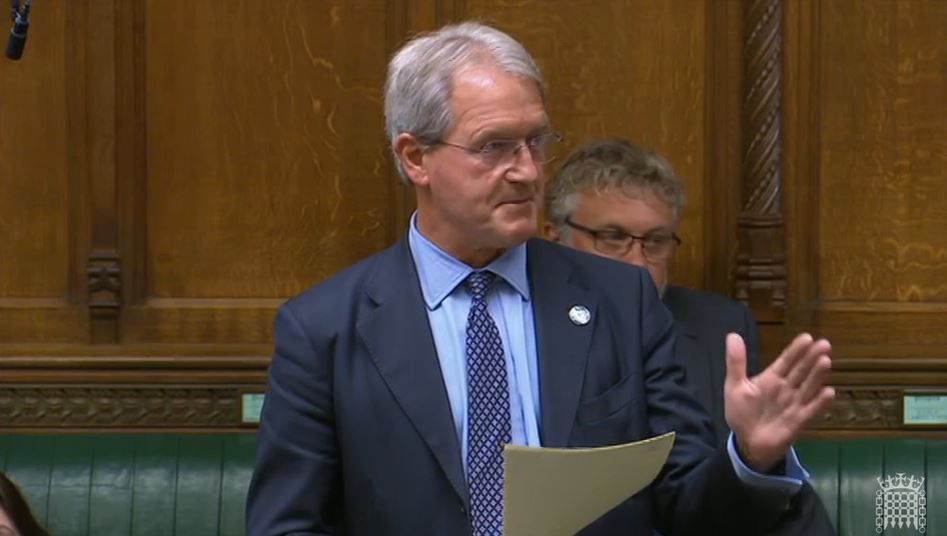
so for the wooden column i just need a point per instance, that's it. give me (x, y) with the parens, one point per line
(761, 260)
(103, 266)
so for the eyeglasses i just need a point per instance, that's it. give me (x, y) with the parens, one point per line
(495, 153)
(656, 246)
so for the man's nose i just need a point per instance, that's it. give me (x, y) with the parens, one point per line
(525, 168)
(635, 254)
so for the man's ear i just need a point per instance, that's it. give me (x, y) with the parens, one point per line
(551, 233)
(410, 152)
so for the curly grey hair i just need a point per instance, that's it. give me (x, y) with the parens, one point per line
(609, 165)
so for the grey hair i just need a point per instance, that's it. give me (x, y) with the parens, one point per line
(420, 76)
(606, 166)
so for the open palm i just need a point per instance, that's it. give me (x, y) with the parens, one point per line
(768, 411)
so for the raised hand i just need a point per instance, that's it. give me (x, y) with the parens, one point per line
(768, 411)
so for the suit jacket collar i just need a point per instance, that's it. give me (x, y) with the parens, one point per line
(398, 335)
(562, 345)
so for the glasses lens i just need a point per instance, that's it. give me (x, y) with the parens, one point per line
(541, 146)
(616, 245)
(658, 247)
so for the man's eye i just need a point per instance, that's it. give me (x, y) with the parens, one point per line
(540, 141)
(613, 237)
(657, 240)
(496, 146)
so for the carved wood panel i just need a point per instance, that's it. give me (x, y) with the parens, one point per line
(866, 133)
(173, 170)
(264, 169)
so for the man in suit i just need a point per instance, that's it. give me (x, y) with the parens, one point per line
(395, 383)
(615, 199)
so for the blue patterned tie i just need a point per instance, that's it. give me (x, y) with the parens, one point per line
(488, 411)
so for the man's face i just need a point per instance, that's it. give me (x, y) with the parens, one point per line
(470, 207)
(638, 212)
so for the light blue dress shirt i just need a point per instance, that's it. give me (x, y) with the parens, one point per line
(448, 303)
(508, 301)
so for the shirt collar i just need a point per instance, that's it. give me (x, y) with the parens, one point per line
(440, 273)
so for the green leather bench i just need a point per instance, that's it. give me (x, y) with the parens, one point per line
(133, 485)
(195, 485)
(845, 474)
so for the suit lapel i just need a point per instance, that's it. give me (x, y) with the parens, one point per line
(398, 335)
(562, 345)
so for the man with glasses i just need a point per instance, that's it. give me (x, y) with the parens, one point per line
(395, 383)
(617, 200)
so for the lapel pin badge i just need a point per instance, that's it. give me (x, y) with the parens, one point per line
(580, 315)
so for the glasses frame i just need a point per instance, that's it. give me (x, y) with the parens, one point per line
(552, 137)
(597, 236)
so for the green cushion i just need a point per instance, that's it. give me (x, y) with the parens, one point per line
(133, 485)
(196, 485)
(845, 474)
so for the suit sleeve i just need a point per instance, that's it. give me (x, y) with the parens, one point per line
(296, 487)
(697, 492)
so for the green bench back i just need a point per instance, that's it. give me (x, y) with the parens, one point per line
(141, 485)
(845, 474)
(195, 485)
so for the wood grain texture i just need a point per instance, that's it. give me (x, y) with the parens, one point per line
(41, 184)
(34, 218)
(883, 176)
(266, 160)
(723, 132)
(866, 153)
(634, 69)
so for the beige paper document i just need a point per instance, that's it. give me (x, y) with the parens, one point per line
(557, 492)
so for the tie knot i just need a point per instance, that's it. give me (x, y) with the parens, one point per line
(478, 283)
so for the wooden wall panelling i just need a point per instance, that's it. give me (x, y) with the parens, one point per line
(116, 392)
(104, 266)
(865, 150)
(722, 176)
(130, 153)
(220, 167)
(213, 172)
(41, 193)
(867, 140)
(635, 69)
(760, 269)
(266, 168)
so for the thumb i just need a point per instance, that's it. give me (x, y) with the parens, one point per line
(736, 359)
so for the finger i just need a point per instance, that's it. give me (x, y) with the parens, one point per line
(736, 359)
(817, 377)
(790, 355)
(804, 366)
(817, 406)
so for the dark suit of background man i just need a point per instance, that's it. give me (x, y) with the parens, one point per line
(395, 382)
(617, 200)
(614, 199)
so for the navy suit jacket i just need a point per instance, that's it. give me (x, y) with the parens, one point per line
(357, 436)
(702, 321)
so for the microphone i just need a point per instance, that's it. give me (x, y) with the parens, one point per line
(21, 23)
